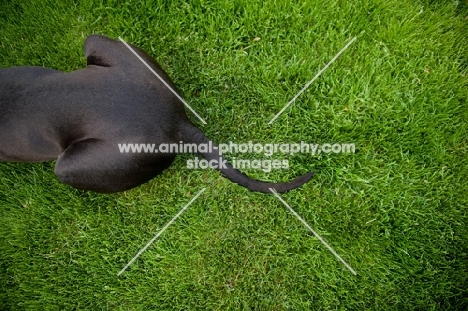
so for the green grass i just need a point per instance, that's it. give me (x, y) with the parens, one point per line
(396, 210)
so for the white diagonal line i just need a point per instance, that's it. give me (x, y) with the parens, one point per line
(162, 80)
(310, 82)
(313, 232)
(160, 232)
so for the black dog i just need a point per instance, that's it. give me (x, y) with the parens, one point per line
(79, 118)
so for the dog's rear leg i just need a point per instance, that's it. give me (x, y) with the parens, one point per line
(99, 166)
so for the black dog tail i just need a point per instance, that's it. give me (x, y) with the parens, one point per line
(196, 136)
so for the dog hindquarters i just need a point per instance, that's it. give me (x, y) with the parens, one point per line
(99, 166)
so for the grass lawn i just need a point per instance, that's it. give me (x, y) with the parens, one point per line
(396, 210)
